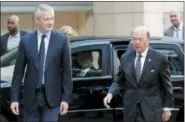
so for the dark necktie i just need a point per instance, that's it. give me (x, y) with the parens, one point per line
(41, 60)
(138, 67)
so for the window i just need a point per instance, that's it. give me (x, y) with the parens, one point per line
(86, 64)
(7, 65)
(175, 64)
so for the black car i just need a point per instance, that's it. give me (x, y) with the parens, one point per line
(95, 62)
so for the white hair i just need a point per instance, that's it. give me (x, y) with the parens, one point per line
(143, 29)
(14, 18)
(42, 8)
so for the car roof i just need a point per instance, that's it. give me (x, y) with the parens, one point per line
(117, 39)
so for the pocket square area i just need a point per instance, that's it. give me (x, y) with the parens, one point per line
(152, 70)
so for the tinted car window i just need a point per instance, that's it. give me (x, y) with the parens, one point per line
(175, 64)
(86, 64)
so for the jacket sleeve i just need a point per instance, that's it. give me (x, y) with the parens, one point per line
(119, 82)
(165, 78)
(67, 72)
(18, 72)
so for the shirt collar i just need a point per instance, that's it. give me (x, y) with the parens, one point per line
(40, 34)
(179, 28)
(143, 53)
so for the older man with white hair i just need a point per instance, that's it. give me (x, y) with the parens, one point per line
(11, 39)
(144, 75)
(45, 57)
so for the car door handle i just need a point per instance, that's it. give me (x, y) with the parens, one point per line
(178, 89)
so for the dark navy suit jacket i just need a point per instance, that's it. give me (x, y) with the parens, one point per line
(58, 78)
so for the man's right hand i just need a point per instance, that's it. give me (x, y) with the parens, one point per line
(15, 108)
(107, 100)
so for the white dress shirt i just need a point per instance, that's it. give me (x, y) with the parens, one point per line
(46, 42)
(178, 32)
(144, 54)
(13, 41)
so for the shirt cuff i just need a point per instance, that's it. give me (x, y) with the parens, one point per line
(167, 109)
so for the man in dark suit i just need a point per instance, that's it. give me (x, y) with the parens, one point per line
(177, 28)
(145, 77)
(11, 39)
(48, 81)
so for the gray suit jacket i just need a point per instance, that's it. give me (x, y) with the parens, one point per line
(4, 42)
(169, 32)
(154, 90)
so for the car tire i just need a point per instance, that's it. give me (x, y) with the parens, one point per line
(3, 118)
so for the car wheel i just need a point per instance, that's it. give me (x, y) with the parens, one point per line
(3, 118)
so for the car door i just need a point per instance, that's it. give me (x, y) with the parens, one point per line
(175, 55)
(91, 79)
(7, 66)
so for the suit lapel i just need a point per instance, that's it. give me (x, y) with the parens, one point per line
(35, 48)
(6, 42)
(133, 67)
(50, 48)
(171, 31)
(146, 66)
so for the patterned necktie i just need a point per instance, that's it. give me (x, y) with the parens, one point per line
(138, 67)
(41, 60)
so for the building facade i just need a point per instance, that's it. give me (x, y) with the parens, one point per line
(97, 18)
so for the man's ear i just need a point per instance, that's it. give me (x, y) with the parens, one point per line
(37, 20)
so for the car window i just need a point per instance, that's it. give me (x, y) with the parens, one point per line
(175, 64)
(86, 64)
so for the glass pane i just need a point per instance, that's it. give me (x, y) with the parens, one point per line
(7, 65)
(87, 64)
(175, 64)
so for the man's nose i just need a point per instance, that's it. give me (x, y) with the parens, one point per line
(137, 41)
(51, 21)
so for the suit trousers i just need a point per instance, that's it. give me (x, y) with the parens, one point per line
(139, 115)
(41, 111)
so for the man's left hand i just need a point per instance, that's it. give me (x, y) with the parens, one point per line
(64, 108)
(166, 115)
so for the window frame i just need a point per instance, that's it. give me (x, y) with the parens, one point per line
(104, 52)
(99, 61)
